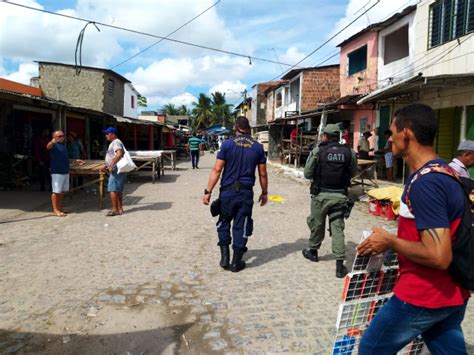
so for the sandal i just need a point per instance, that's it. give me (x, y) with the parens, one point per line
(60, 214)
(112, 213)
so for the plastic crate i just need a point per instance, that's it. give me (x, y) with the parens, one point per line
(375, 207)
(387, 211)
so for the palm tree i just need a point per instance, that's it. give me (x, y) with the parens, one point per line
(202, 112)
(184, 111)
(170, 109)
(221, 110)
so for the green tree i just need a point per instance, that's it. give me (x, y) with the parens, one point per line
(184, 111)
(170, 109)
(202, 112)
(221, 110)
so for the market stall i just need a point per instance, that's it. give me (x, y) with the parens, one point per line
(91, 169)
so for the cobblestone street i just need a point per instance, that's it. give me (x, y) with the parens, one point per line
(148, 282)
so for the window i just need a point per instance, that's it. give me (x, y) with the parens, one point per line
(396, 45)
(279, 100)
(132, 101)
(110, 87)
(357, 60)
(450, 19)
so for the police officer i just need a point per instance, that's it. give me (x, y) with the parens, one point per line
(330, 166)
(237, 160)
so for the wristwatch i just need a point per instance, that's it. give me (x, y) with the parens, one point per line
(206, 192)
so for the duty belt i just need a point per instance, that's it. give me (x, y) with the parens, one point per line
(236, 187)
(340, 191)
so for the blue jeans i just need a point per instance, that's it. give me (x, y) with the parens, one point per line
(397, 323)
(195, 158)
(236, 208)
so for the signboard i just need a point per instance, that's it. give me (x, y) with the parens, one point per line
(291, 114)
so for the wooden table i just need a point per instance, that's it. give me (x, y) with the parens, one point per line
(169, 155)
(366, 171)
(148, 158)
(93, 169)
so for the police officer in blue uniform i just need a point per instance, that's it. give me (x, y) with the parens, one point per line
(237, 161)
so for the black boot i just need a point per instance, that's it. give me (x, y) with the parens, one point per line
(225, 257)
(311, 254)
(237, 262)
(341, 270)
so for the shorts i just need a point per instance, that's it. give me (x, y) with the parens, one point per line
(388, 160)
(116, 181)
(59, 183)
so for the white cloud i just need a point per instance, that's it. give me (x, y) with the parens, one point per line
(170, 77)
(40, 36)
(23, 75)
(185, 99)
(380, 12)
(291, 56)
(232, 89)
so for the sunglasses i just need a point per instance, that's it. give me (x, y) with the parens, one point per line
(61, 136)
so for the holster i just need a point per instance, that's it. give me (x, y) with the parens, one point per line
(350, 205)
(216, 207)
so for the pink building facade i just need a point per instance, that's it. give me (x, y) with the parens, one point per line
(358, 76)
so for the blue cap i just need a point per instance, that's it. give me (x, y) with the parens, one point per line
(110, 130)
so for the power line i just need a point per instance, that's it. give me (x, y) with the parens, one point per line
(170, 34)
(327, 41)
(249, 57)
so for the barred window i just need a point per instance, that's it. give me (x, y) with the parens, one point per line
(450, 19)
(110, 87)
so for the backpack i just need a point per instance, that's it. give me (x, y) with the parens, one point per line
(462, 266)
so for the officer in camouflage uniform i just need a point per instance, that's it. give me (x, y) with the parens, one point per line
(330, 166)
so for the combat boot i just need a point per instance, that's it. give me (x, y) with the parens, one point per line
(237, 262)
(225, 257)
(311, 254)
(341, 270)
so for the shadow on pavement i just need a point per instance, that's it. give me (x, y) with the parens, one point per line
(26, 219)
(143, 179)
(263, 256)
(154, 341)
(350, 254)
(158, 206)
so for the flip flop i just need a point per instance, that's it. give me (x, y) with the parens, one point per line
(112, 213)
(61, 214)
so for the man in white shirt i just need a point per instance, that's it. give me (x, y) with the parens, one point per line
(464, 159)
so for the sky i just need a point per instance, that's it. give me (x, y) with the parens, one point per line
(280, 30)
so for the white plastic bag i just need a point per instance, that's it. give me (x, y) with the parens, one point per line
(125, 164)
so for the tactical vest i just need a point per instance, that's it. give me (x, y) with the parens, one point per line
(333, 170)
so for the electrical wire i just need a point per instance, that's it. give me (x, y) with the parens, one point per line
(250, 57)
(80, 39)
(327, 41)
(167, 36)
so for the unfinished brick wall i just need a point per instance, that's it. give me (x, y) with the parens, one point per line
(319, 86)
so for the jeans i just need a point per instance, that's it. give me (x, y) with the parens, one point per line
(195, 158)
(397, 323)
(236, 208)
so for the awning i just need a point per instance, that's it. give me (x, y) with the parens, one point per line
(401, 87)
(121, 119)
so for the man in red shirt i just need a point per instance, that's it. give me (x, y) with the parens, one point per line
(427, 301)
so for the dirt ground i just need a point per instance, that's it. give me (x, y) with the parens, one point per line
(148, 282)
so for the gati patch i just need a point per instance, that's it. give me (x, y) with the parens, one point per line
(244, 142)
